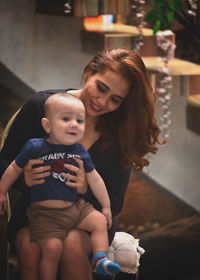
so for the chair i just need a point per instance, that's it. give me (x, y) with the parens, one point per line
(4, 248)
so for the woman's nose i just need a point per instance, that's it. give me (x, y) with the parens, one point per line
(102, 101)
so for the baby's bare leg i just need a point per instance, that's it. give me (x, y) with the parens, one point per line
(96, 224)
(51, 251)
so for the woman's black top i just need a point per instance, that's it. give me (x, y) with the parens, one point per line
(26, 125)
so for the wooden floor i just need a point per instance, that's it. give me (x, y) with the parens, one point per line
(145, 203)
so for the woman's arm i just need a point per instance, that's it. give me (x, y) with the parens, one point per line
(117, 182)
(9, 177)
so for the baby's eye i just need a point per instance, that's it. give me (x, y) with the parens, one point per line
(66, 119)
(80, 121)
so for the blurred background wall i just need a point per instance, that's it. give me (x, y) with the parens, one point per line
(42, 50)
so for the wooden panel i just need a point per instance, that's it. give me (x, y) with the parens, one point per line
(119, 35)
(183, 82)
(193, 114)
(176, 66)
(96, 7)
(119, 41)
(86, 8)
(194, 84)
(180, 83)
(81, 8)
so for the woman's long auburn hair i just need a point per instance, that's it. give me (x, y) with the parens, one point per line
(131, 130)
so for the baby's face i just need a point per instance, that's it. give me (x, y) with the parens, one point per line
(66, 122)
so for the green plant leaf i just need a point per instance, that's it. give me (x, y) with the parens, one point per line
(156, 27)
(162, 13)
(163, 22)
(170, 16)
(177, 4)
(151, 16)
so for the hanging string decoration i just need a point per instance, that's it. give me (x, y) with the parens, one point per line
(165, 85)
(67, 7)
(138, 10)
(193, 7)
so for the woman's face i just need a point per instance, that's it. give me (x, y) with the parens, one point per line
(104, 93)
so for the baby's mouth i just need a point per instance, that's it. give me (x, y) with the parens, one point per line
(71, 133)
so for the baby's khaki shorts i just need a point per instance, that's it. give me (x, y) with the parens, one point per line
(56, 222)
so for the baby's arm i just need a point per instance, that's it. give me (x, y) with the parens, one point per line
(99, 190)
(10, 175)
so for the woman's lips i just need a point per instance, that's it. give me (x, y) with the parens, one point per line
(95, 108)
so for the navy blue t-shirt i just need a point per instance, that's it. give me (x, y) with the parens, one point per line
(55, 156)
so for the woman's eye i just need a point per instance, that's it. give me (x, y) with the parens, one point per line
(100, 88)
(115, 100)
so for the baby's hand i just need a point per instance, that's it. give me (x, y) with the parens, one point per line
(3, 204)
(107, 213)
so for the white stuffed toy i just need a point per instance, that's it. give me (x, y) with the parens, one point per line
(125, 251)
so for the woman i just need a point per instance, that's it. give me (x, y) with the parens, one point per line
(120, 131)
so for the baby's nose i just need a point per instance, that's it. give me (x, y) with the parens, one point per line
(73, 123)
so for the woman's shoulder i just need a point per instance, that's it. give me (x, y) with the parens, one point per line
(43, 95)
(37, 100)
(50, 91)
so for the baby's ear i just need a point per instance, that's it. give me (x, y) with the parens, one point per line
(45, 125)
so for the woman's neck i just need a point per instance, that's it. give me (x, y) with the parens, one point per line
(91, 121)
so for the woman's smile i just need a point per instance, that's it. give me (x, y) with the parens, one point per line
(95, 107)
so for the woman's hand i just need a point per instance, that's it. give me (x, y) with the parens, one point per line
(79, 180)
(37, 175)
